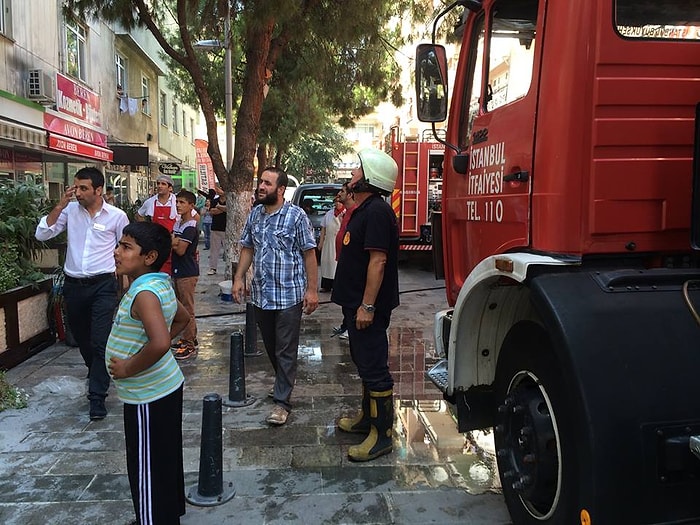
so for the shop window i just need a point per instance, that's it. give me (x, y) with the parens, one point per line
(55, 191)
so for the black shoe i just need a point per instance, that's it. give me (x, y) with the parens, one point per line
(97, 409)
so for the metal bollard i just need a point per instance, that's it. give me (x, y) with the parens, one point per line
(236, 380)
(251, 332)
(209, 491)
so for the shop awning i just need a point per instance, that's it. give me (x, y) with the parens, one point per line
(27, 136)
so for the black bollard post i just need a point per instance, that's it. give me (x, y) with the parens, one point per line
(236, 380)
(210, 489)
(251, 332)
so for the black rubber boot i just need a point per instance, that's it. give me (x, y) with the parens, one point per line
(381, 422)
(360, 423)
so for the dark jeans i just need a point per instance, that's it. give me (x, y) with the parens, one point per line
(280, 333)
(369, 350)
(206, 228)
(90, 307)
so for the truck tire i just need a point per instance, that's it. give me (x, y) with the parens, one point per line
(534, 434)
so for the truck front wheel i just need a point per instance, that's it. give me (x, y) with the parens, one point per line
(534, 435)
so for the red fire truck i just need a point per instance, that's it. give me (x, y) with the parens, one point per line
(418, 187)
(569, 232)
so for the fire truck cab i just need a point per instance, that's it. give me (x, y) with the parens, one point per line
(568, 232)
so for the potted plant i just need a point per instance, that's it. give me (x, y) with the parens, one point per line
(24, 290)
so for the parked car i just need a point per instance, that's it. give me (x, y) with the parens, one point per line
(292, 186)
(316, 199)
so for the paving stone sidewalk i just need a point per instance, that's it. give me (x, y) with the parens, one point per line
(58, 467)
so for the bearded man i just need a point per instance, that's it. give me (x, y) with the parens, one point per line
(278, 241)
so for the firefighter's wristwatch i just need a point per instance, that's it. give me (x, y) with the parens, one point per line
(368, 308)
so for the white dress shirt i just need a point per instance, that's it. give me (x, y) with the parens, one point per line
(91, 240)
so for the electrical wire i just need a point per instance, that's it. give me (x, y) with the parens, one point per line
(688, 301)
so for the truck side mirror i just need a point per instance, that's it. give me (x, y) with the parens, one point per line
(431, 83)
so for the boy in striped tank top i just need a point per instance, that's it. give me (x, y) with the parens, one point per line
(147, 377)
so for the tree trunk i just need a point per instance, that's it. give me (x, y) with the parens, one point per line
(247, 128)
(262, 156)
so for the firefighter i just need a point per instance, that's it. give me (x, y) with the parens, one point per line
(366, 286)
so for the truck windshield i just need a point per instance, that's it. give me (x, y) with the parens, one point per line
(658, 19)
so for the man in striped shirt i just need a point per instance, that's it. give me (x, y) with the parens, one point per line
(278, 241)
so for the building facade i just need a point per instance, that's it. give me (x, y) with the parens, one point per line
(84, 92)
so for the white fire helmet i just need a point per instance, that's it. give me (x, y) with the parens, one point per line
(379, 169)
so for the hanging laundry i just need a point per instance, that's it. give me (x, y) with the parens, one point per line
(133, 106)
(123, 105)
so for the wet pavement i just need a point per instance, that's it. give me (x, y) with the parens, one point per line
(58, 467)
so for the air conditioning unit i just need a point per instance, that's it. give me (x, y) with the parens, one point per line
(41, 86)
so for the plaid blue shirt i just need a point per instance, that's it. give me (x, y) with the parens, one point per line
(279, 241)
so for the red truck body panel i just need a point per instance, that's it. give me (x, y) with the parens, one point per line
(604, 136)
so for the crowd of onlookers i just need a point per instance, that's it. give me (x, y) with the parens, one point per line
(129, 292)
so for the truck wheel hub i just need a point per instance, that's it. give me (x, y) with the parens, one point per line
(529, 455)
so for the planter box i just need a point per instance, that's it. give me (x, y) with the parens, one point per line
(24, 325)
(51, 257)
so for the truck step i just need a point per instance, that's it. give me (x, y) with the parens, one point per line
(438, 375)
(695, 445)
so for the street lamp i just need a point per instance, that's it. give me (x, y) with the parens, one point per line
(228, 91)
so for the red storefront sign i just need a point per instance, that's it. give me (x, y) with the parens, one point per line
(69, 137)
(55, 124)
(76, 147)
(77, 101)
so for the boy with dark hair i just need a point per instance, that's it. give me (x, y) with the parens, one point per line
(147, 378)
(185, 269)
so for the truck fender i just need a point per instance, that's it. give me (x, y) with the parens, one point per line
(492, 299)
(623, 342)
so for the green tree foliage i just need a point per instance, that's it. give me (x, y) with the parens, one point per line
(22, 204)
(313, 156)
(337, 56)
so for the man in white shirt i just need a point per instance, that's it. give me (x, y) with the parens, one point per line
(90, 288)
(161, 209)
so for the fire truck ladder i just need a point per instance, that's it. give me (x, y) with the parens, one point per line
(409, 189)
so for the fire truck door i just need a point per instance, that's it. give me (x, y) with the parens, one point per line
(499, 130)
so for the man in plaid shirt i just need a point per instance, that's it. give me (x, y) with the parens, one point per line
(278, 241)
